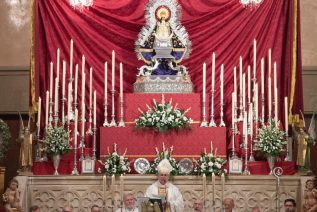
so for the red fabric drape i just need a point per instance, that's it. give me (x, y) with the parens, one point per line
(221, 26)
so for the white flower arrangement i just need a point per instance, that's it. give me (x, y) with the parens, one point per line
(57, 141)
(271, 139)
(165, 154)
(209, 163)
(163, 117)
(116, 164)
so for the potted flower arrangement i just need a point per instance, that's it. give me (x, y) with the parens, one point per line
(163, 117)
(115, 164)
(271, 142)
(165, 154)
(57, 144)
(209, 163)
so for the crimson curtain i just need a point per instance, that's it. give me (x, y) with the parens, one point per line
(221, 26)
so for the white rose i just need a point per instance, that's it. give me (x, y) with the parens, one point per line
(210, 164)
(106, 166)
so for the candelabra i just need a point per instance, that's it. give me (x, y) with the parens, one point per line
(50, 119)
(63, 110)
(287, 158)
(106, 123)
(233, 150)
(262, 101)
(113, 121)
(204, 122)
(246, 170)
(241, 108)
(212, 121)
(222, 123)
(251, 158)
(89, 131)
(82, 145)
(236, 130)
(75, 170)
(71, 112)
(121, 122)
(56, 118)
(94, 143)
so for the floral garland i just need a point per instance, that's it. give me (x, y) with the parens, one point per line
(209, 163)
(165, 154)
(163, 117)
(57, 141)
(115, 164)
(271, 139)
(5, 135)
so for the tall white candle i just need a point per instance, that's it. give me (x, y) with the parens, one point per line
(275, 75)
(286, 113)
(221, 83)
(71, 56)
(251, 119)
(270, 97)
(39, 116)
(69, 104)
(254, 60)
(213, 71)
(235, 81)
(76, 83)
(113, 70)
(63, 79)
(249, 84)
(262, 76)
(46, 108)
(121, 80)
(243, 90)
(245, 128)
(76, 128)
(83, 66)
(56, 97)
(95, 104)
(83, 105)
(106, 81)
(57, 63)
(90, 87)
(275, 106)
(256, 101)
(204, 82)
(233, 106)
(51, 81)
(269, 63)
(240, 75)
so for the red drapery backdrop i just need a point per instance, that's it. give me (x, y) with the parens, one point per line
(221, 26)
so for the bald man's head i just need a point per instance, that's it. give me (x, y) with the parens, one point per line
(198, 205)
(228, 204)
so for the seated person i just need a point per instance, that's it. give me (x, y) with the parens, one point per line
(163, 188)
(289, 205)
(11, 196)
(129, 203)
(228, 205)
(198, 205)
(310, 197)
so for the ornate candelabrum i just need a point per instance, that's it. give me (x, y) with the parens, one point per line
(106, 123)
(71, 111)
(233, 150)
(246, 170)
(204, 122)
(121, 122)
(89, 131)
(94, 130)
(236, 130)
(212, 121)
(50, 119)
(241, 107)
(222, 123)
(75, 170)
(63, 110)
(262, 115)
(113, 121)
(82, 145)
(251, 158)
(56, 118)
(287, 158)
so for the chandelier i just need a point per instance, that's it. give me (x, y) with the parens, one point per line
(81, 3)
(251, 3)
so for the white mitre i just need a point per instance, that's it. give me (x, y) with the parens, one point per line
(164, 167)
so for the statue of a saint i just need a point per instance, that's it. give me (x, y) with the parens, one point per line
(163, 42)
(310, 197)
(11, 197)
(302, 138)
(25, 139)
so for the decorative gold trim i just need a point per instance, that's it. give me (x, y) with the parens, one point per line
(34, 105)
(146, 50)
(294, 62)
(153, 156)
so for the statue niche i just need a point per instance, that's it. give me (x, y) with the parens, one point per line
(162, 44)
